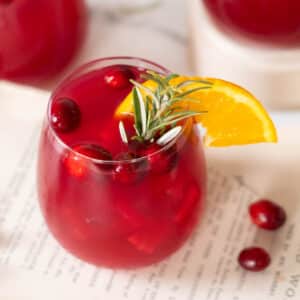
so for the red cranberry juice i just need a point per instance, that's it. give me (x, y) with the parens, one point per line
(124, 213)
(272, 21)
(38, 38)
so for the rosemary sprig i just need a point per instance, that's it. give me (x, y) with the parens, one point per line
(155, 110)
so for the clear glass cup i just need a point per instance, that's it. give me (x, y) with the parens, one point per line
(103, 216)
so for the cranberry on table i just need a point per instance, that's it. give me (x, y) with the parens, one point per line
(119, 77)
(65, 115)
(267, 214)
(78, 165)
(39, 38)
(254, 259)
(275, 21)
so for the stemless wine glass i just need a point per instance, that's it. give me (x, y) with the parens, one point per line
(109, 211)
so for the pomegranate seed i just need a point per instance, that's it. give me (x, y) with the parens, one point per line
(254, 259)
(119, 77)
(267, 215)
(125, 171)
(160, 162)
(65, 115)
(78, 165)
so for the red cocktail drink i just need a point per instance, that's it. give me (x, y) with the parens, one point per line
(109, 203)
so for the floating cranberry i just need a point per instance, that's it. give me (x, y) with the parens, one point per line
(65, 115)
(127, 171)
(254, 259)
(119, 77)
(78, 164)
(267, 215)
(160, 160)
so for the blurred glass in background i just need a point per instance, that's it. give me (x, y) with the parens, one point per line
(38, 39)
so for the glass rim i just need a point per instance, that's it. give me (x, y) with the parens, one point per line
(113, 161)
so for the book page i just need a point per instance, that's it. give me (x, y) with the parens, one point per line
(205, 268)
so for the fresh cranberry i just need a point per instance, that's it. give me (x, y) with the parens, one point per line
(126, 171)
(65, 115)
(160, 160)
(119, 77)
(78, 165)
(254, 259)
(267, 215)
